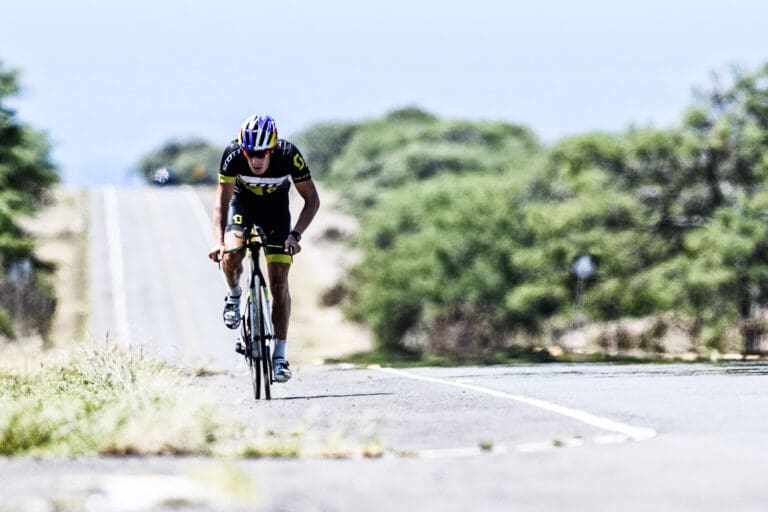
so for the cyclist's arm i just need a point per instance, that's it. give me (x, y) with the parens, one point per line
(220, 206)
(308, 192)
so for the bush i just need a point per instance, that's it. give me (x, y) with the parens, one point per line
(410, 145)
(464, 221)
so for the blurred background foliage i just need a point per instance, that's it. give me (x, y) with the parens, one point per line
(26, 177)
(192, 162)
(468, 230)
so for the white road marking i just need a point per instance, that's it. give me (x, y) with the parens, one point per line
(498, 449)
(628, 431)
(116, 267)
(528, 447)
(200, 213)
(202, 218)
(128, 493)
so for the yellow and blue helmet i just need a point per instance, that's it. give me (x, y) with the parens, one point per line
(258, 132)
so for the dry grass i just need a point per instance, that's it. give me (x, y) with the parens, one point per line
(106, 400)
(102, 400)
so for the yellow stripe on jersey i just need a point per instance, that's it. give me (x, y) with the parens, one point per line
(227, 179)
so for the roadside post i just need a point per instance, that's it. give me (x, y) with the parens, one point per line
(583, 268)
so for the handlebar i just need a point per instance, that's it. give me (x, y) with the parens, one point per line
(253, 240)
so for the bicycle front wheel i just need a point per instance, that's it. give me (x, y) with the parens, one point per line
(252, 347)
(266, 357)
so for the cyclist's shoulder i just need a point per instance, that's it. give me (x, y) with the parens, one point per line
(230, 155)
(291, 160)
(232, 148)
(286, 148)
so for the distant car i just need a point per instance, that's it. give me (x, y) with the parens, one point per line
(164, 176)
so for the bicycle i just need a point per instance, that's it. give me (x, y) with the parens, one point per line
(257, 331)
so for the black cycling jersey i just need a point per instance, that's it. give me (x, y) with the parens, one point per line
(285, 161)
(263, 200)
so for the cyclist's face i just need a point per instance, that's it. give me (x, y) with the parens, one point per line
(258, 161)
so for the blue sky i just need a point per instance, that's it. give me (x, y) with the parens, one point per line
(111, 80)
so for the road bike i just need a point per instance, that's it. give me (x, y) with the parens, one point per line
(257, 334)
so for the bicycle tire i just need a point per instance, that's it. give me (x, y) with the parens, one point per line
(266, 359)
(253, 361)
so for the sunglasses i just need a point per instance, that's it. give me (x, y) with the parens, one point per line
(260, 153)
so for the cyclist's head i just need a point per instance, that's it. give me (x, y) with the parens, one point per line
(258, 132)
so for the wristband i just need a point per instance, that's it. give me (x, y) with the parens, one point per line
(296, 235)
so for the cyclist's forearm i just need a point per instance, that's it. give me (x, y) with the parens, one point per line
(311, 205)
(220, 210)
(218, 225)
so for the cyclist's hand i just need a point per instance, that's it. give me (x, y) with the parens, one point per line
(291, 242)
(216, 253)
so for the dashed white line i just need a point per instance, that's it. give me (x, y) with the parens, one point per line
(527, 447)
(629, 432)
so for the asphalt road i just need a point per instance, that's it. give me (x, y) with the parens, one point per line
(635, 438)
(151, 283)
(529, 437)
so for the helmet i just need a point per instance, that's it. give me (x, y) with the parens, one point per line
(258, 132)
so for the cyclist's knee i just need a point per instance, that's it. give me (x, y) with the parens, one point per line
(233, 240)
(232, 259)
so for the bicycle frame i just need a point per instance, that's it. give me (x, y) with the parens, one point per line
(258, 330)
(256, 274)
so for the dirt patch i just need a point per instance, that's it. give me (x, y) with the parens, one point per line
(61, 234)
(320, 332)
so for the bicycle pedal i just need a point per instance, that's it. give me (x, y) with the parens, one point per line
(240, 348)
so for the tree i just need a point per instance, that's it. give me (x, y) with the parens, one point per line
(26, 175)
(468, 231)
(730, 124)
(702, 188)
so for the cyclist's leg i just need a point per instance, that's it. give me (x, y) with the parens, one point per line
(237, 218)
(278, 266)
(281, 296)
(276, 222)
(281, 312)
(232, 262)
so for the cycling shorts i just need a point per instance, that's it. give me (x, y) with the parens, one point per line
(274, 217)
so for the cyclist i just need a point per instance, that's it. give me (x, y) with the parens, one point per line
(253, 188)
